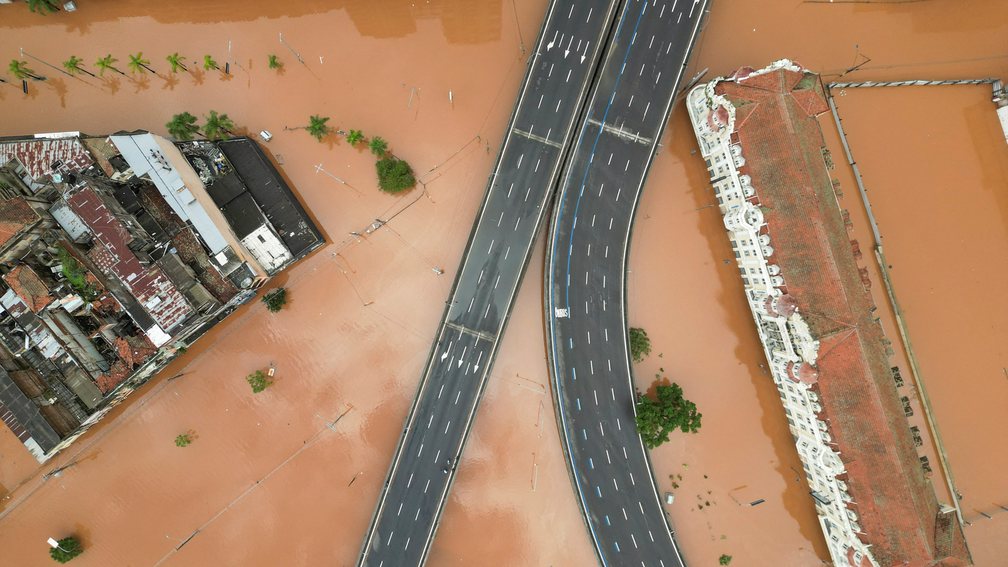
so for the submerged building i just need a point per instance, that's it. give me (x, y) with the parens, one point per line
(828, 355)
(117, 252)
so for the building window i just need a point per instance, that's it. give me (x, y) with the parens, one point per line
(737, 255)
(783, 397)
(787, 411)
(791, 421)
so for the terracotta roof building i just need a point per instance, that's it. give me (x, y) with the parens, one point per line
(32, 290)
(811, 302)
(16, 215)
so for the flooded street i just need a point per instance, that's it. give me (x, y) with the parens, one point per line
(268, 481)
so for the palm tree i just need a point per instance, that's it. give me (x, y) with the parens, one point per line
(182, 126)
(354, 136)
(176, 62)
(42, 6)
(20, 70)
(317, 127)
(73, 67)
(106, 63)
(273, 63)
(379, 147)
(138, 64)
(218, 126)
(208, 63)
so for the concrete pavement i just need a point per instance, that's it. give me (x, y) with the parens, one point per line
(586, 274)
(516, 202)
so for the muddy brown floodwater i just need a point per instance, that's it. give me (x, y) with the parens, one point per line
(266, 482)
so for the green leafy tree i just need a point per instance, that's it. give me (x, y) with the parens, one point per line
(183, 440)
(379, 147)
(657, 418)
(73, 67)
(175, 60)
(182, 126)
(218, 126)
(275, 300)
(65, 550)
(354, 136)
(106, 62)
(208, 63)
(724, 559)
(394, 175)
(640, 344)
(259, 381)
(138, 64)
(43, 7)
(317, 127)
(76, 275)
(274, 63)
(20, 70)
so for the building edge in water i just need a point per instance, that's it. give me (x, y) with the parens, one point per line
(116, 253)
(811, 301)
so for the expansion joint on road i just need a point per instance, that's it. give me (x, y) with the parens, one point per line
(621, 133)
(484, 336)
(531, 136)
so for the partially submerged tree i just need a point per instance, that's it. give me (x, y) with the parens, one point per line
(20, 70)
(670, 411)
(182, 126)
(394, 175)
(218, 126)
(73, 67)
(275, 300)
(43, 7)
(274, 63)
(317, 127)
(259, 381)
(65, 550)
(208, 63)
(106, 62)
(354, 136)
(379, 147)
(175, 60)
(725, 559)
(640, 344)
(183, 440)
(138, 64)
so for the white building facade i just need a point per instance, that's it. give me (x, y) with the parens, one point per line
(789, 346)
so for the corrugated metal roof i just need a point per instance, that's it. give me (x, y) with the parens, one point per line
(69, 220)
(149, 285)
(38, 156)
(147, 157)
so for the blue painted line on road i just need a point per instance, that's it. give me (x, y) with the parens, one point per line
(563, 413)
(584, 180)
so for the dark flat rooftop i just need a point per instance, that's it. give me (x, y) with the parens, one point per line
(269, 190)
(27, 415)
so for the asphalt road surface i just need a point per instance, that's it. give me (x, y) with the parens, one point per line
(529, 166)
(585, 281)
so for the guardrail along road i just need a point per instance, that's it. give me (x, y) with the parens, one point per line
(528, 167)
(585, 281)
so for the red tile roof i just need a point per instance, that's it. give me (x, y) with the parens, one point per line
(108, 381)
(899, 512)
(15, 215)
(26, 283)
(134, 350)
(39, 155)
(149, 285)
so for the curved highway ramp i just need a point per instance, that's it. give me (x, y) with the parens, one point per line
(528, 167)
(585, 281)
